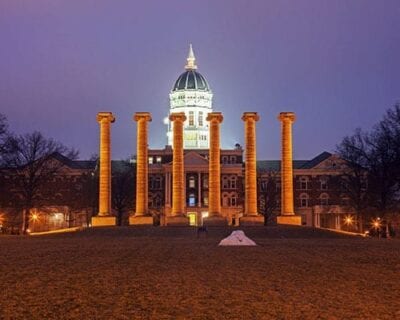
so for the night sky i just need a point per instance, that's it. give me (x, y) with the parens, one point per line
(336, 64)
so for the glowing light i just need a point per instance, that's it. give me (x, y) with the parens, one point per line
(34, 217)
(348, 220)
(58, 216)
(376, 223)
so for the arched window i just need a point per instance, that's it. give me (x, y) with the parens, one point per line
(324, 199)
(304, 200)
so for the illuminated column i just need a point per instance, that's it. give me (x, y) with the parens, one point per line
(178, 177)
(250, 206)
(214, 171)
(142, 215)
(287, 209)
(104, 217)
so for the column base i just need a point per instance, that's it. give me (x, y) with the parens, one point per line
(103, 221)
(179, 221)
(215, 221)
(289, 219)
(145, 220)
(251, 221)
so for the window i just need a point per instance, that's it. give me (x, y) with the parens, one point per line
(205, 198)
(324, 199)
(192, 200)
(233, 182)
(205, 182)
(192, 182)
(324, 183)
(158, 159)
(200, 118)
(344, 200)
(304, 183)
(225, 183)
(233, 201)
(225, 200)
(150, 160)
(157, 183)
(224, 159)
(191, 118)
(233, 159)
(156, 202)
(304, 200)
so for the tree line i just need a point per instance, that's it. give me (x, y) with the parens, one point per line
(31, 159)
(372, 178)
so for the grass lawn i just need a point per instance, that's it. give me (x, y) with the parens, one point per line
(169, 273)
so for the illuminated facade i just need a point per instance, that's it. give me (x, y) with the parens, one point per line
(192, 180)
(191, 95)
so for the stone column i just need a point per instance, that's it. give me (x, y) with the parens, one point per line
(214, 172)
(287, 204)
(251, 216)
(178, 216)
(142, 216)
(104, 217)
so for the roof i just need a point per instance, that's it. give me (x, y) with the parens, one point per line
(275, 165)
(191, 80)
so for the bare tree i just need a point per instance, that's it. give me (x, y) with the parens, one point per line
(32, 159)
(123, 188)
(376, 155)
(269, 196)
(4, 134)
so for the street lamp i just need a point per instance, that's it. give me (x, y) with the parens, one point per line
(376, 223)
(348, 220)
(34, 217)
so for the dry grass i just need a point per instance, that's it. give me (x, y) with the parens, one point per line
(168, 273)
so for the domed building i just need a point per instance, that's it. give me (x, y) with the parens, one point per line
(192, 95)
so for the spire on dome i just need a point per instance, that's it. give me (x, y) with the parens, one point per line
(191, 60)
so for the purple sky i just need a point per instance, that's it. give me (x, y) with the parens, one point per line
(335, 63)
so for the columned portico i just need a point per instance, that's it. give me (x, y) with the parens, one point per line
(287, 205)
(251, 216)
(142, 216)
(177, 216)
(214, 171)
(105, 217)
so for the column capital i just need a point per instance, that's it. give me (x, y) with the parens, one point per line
(177, 116)
(287, 116)
(142, 115)
(215, 116)
(250, 116)
(105, 116)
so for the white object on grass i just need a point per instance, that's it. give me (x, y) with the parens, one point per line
(237, 238)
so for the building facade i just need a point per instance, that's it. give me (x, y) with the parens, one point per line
(70, 196)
